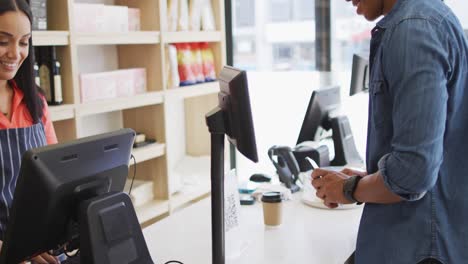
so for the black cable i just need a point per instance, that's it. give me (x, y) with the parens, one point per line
(134, 174)
(174, 261)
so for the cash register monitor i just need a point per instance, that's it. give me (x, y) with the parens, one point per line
(323, 113)
(232, 117)
(321, 104)
(54, 181)
(359, 75)
(234, 101)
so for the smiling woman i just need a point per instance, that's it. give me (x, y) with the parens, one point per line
(24, 118)
(15, 46)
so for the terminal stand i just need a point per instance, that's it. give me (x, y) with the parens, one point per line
(110, 232)
(216, 126)
(343, 142)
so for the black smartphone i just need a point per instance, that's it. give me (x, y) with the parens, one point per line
(247, 200)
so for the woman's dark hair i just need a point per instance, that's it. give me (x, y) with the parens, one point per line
(24, 78)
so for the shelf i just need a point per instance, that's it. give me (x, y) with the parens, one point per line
(191, 193)
(121, 38)
(151, 210)
(62, 112)
(146, 207)
(173, 172)
(142, 191)
(148, 152)
(194, 90)
(191, 36)
(50, 38)
(121, 103)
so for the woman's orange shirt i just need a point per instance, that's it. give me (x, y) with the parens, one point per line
(21, 117)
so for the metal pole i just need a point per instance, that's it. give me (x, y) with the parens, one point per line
(215, 122)
(323, 35)
(217, 198)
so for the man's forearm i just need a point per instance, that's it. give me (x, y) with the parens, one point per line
(371, 189)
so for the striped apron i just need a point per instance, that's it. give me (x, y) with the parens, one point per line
(13, 143)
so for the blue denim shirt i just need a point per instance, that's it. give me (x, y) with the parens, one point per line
(418, 137)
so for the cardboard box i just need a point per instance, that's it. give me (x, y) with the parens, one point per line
(134, 19)
(88, 17)
(91, 18)
(97, 86)
(112, 84)
(124, 82)
(115, 19)
(139, 80)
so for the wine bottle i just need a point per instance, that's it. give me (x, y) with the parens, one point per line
(57, 79)
(44, 73)
(37, 78)
(50, 78)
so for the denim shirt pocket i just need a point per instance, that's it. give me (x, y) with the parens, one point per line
(381, 107)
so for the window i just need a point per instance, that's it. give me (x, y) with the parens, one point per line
(244, 13)
(459, 7)
(282, 52)
(350, 34)
(280, 11)
(282, 37)
(305, 10)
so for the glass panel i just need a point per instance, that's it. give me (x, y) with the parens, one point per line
(459, 7)
(279, 34)
(245, 13)
(350, 34)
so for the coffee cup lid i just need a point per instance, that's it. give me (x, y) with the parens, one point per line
(271, 197)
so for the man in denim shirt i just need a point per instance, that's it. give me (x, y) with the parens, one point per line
(416, 185)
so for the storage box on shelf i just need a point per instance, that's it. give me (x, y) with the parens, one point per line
(173, 171)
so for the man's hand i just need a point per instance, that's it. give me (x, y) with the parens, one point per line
(353, 172)
(45, 258)
(329, 186)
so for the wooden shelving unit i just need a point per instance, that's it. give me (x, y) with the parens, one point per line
(122, 103)
(173, 116)
(151, 151)
(192, 36)
(127, 38)
(152, 210)
(62, 112)
(48, 38)
(185, 197)
(195, 90)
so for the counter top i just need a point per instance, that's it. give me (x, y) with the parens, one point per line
(307, 235)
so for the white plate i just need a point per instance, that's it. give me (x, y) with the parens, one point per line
(317, 203)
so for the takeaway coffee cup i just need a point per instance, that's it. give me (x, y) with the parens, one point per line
(272, 208)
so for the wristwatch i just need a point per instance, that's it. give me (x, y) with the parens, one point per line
(349, 187)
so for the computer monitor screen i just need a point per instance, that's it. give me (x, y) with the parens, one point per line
(53, 180)
(359, 75)
(321, 104)
(235, 102)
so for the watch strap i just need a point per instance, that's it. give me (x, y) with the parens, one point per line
(349, 187)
